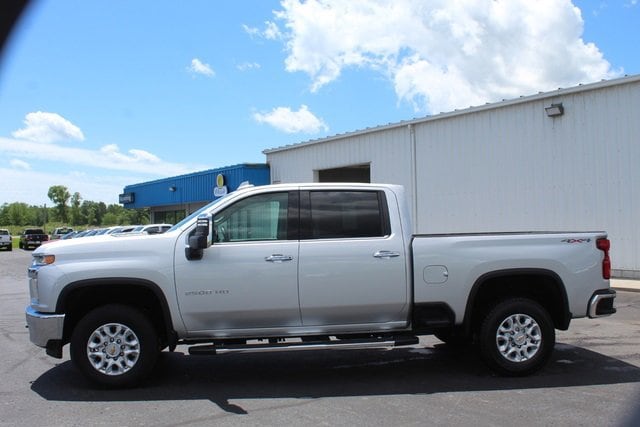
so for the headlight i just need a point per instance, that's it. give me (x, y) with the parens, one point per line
(39, 260)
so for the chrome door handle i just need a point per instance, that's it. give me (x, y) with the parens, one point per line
(278, 258)
(386, 254)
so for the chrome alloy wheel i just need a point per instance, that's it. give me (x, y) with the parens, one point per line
(518, 338)
(113, 349)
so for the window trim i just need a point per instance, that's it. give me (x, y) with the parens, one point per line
(306, 229)
(292, 217)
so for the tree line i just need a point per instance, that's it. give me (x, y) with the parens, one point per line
(70, 209)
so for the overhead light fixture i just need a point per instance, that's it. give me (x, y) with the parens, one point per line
(172, 188)
(554, 110)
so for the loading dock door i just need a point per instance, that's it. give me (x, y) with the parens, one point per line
(356, 173)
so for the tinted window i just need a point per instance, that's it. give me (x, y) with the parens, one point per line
(340, 214)
(260, 217)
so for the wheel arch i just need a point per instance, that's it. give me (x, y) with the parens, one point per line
(540, 285)
(79, 298)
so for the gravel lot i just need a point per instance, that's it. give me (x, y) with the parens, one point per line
(593, 380)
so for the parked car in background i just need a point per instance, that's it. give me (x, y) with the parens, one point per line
(6, 241)
(152, 228)
(60, 231)
(32, 238)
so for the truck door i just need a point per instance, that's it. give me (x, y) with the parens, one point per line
(352, 267)
(249, 277)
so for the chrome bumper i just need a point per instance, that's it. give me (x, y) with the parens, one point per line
(44, 327)
(601, 303)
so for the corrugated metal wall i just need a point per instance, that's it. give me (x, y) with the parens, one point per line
(194, 188)
(507, 167)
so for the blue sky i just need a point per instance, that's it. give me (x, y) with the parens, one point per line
(95, 95)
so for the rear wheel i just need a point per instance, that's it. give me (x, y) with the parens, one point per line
(115, 346)
(517, 337)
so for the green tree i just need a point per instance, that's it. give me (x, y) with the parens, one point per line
(59, 195)
(89, 210)
(19, 214)
(76, 215)
(110, 219)
(4, 214)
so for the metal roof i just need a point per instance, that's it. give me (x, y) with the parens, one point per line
(488, 106)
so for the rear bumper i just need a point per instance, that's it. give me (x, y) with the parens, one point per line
(44, 328)
(601, 303)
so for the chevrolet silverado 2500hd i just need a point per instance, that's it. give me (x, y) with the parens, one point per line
(310, 266)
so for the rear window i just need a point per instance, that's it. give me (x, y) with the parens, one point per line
(4, 232)
(347, 214)
(34, 231)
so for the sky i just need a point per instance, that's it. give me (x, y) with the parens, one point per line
(97, 95)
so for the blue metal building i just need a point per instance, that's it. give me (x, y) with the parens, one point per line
(171, 199)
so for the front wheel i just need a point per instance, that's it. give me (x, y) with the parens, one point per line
(115, 346)
(517, 337)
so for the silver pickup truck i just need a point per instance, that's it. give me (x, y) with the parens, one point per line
(310, 266)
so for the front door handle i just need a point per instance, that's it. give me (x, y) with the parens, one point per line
(386, 254)
(278, 258)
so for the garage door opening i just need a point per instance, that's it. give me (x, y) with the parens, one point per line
(355, 173)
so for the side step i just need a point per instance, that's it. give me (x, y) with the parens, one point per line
(343, 344)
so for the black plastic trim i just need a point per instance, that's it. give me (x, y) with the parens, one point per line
(540, 272)
(129, 281)
(429, 316)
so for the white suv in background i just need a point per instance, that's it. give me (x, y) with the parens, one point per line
(5, 239)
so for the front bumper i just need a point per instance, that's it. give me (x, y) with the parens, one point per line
(601, 303)
(45, 329)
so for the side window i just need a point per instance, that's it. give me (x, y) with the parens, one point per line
(260, 217)
(345, 214)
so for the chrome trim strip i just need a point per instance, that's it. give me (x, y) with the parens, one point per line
(341, 346)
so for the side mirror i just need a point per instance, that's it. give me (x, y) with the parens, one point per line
(201, 238)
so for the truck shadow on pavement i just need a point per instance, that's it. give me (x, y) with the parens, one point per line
(434, 369)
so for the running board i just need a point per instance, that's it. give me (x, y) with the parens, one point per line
(300, 346)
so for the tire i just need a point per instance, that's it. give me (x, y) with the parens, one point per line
(517, 337)
(115, 346)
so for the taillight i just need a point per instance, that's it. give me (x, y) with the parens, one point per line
(604, 245)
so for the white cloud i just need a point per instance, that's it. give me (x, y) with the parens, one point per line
(442, 54)
(252, 31)
(109, 157)
(47, 128)
(20, 164)
(198, 67)
(246, 66)
(271, 31)
(286, 120)
(31, 187)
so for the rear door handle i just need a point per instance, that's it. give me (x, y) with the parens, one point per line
(278, 258)
(386, 254)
